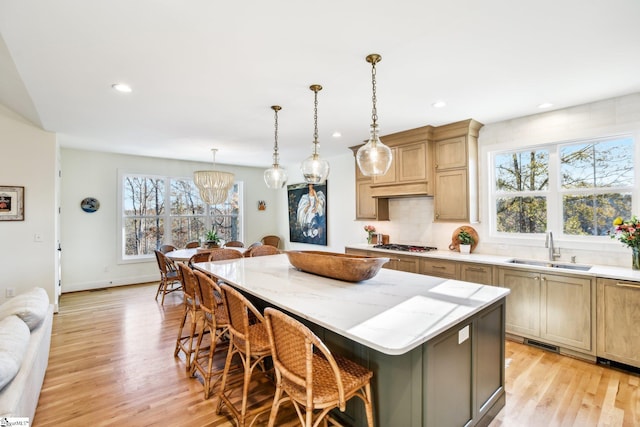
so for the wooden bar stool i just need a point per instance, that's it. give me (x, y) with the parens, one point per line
(248, 340)
(216, 322)
(309, 376)
(192, 311)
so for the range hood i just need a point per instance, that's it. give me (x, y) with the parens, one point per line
(397, 190)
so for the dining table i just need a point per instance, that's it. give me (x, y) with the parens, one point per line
(186, 254)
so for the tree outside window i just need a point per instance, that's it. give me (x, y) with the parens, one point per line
(595, 185)
(163, 210)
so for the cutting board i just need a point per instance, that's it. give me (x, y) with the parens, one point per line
(455, 243)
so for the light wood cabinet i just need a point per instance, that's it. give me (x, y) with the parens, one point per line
(403, 263)
(438, 268)
(455, 162)
(558, 309)
(476, 273)
(408, 175)
(618, 320)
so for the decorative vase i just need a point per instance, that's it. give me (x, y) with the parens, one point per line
(465, 249)
(370, 238)
(635, 258)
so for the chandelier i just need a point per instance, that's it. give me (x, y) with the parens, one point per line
(214, 185)
(314, 169)
(275, 177)
(374, 158)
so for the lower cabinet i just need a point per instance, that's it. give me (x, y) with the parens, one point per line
(465, 371)
(438, 268)
(618, 320)
(476, 273)
(403, 263)
(558, 309)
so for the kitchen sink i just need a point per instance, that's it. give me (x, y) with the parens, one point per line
(549, 264)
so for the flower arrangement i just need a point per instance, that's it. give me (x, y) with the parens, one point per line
(370, 229)
(628, 232)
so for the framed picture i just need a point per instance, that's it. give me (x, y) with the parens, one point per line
(11, 203)
(308, 213)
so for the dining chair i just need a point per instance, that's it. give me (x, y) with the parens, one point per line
(170, 280)
(192, 244)
(262, 251)
(254, 244)
(222, 253)
(192, 311)
(308, 375)
(216, 323)
(271, 240)
(234, 244)
(249, 341)
(167, 248)
(199, 257)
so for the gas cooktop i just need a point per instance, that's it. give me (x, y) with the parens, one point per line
(406, 248)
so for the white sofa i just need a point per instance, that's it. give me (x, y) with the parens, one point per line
(26, 352)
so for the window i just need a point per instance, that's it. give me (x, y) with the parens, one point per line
(164, 210)
(579, 187)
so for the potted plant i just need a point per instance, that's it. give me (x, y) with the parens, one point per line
(211, 239)
(466, 240)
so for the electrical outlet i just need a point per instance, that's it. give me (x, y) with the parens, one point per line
(10, 292)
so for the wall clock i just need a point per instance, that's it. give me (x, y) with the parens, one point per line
(90, 204)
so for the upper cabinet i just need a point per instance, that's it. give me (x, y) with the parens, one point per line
(427, 161)
(455, 164)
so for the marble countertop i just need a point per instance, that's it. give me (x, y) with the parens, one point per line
(605, 271)
(394, 312)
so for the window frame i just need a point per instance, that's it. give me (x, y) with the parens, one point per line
(555, 192)
(167, 216)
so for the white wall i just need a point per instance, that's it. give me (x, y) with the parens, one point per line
(89, 240)
(28, 159)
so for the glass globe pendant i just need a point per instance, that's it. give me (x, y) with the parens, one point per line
(314, 169)
(374, 158)
(275, 177)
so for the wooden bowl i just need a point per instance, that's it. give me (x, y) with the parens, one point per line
(347, 267)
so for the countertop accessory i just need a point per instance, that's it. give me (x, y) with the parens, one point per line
(374, 158)
(347, 267)
(455, 242)
(275, 177)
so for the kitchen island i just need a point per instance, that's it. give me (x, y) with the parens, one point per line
(436, 346)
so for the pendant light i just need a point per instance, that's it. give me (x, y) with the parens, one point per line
(374, 158)
(214, 185)
(314, 169)
(275, 177)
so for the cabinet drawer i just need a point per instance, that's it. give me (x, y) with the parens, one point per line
(438, 268)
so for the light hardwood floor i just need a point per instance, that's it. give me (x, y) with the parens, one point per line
(112, 363)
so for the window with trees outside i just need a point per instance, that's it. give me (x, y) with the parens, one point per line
(579, 187)
(164, 210)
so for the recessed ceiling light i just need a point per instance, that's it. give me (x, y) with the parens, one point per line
(545, 105)
(121, 87)
(336, 134)
(439, 104)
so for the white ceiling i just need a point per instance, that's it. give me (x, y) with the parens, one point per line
(205, 73)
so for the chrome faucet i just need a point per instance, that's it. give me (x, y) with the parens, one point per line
(553, 254)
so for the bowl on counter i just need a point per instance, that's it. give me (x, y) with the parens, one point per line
(347, 267)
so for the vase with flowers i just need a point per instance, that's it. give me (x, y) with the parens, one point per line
(370, 229)
(628, 232)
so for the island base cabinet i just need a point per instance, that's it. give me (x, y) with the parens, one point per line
(455, 379)
(618, 319)
(449, 382)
